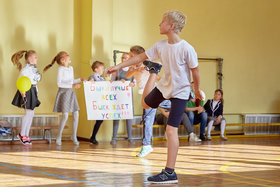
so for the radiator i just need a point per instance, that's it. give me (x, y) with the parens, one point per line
(38, 120)
(261, 118)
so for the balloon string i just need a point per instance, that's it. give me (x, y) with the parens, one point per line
(24, 102)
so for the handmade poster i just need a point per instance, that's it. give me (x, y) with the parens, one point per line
(108, 101)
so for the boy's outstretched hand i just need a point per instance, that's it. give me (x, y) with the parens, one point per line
(111, 70)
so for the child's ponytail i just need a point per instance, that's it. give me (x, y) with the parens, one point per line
(57, 59)
(50, 65)
(18, 55)
(15, 58)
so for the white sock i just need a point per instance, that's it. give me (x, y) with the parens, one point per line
(223, 126)
(75, 124)
(25, 124)
(62, 124)
(209, 127)
(31, 115)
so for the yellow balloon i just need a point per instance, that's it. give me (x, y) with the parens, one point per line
(23, 84)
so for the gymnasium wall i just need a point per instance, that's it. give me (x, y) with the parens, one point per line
(46, 27)
(244, 33)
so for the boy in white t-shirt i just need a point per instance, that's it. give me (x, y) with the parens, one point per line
(178, 58)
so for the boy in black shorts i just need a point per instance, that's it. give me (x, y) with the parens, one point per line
(178, 58)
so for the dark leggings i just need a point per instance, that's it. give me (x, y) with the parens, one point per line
(96, 128)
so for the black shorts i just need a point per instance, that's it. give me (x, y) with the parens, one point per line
(155, 97)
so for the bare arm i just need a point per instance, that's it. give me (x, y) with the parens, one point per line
(114, 76)
(196, 80)
(132, 61)
(131, 71)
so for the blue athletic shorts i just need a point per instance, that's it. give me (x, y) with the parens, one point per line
(155, 97)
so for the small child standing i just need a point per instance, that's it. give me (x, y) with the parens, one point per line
(121, 76)
(214, 109)
(66, 100)
(27, 100)
(178, 58)
(98, 69)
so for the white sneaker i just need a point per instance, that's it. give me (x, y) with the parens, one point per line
(146, 149)
(58, 141)
(209, 138)
(75, 140)
(193, 138)
(223, 138)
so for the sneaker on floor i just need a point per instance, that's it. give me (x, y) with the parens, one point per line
(202, 137)
(93, 141)
(75, 140)
(164, 178)
(152, 67)
(22, 139)
(113, 142)
(58, 141)
(209, 138)
(223, 138)
(131, 141)
(146, 149)
(28, 141)
(193, 138)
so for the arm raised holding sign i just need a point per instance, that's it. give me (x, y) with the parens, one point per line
(121, 75)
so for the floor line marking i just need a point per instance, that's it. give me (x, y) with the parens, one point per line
(50, 174)
(224, 170)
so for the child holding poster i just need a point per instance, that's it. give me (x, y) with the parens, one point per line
(98, 69)
(121, 76)
(66, 100)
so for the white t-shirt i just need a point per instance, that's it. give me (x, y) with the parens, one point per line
(177, 60)
(141, 79)
(65, 77)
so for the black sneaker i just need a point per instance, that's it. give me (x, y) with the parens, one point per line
(164, 178)
(152, 67)
(202, 137)
(93, 141)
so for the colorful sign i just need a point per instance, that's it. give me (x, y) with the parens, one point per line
(108, 101)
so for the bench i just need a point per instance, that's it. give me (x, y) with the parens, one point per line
(246, 129)
(43, 123)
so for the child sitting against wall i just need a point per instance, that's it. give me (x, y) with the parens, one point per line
(162, 118)
(214, 109)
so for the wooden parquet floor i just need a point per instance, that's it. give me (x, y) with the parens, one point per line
(236, 162)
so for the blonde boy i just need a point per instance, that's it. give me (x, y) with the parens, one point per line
(178, 58)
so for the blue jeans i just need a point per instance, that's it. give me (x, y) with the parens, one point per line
(149, 118)
(196, 118)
